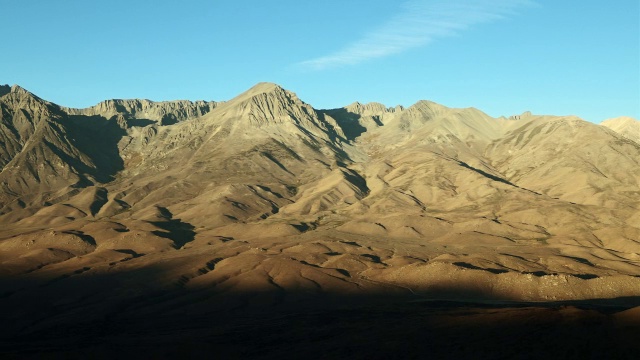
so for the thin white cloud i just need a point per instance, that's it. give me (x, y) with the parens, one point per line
(417, 24)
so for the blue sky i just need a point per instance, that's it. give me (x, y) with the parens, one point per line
(500, 56)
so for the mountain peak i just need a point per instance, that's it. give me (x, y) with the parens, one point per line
(427, 106)
(523, 116)
(17, 89)
(625, 126)
(18, 93)
(267, 86)
(372, 108)
(263, 88)
(619, 120)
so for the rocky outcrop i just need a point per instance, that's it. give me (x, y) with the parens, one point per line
(146, 111)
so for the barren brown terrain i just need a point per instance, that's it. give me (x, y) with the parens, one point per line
(262, 227)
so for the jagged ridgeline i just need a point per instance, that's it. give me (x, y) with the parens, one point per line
(349, 198)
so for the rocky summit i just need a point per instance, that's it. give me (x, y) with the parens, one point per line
(154, 213)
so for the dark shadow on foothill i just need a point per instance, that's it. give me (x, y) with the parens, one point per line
(471, 266)
(129, 314)
(175, 230)
(101, 198)
(275, 161)
(304, 227)
(129, 252)
(484, 173)
(491, 176)
(139, 122)
(86, 238)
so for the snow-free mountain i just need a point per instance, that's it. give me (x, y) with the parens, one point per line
(271, 200)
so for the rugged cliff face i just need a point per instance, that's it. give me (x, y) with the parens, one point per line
(143, 112)
(51, 152)
(265, 194)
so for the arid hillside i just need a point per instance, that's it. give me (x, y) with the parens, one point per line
(133, 208)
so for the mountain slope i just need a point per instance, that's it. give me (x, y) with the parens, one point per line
(184, 207)
(625, 126)
(47, 155)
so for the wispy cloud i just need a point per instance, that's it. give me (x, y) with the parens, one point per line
(418, 23)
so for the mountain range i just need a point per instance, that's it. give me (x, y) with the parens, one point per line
(269, 200)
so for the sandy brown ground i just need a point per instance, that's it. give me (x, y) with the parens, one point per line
(317, 295)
